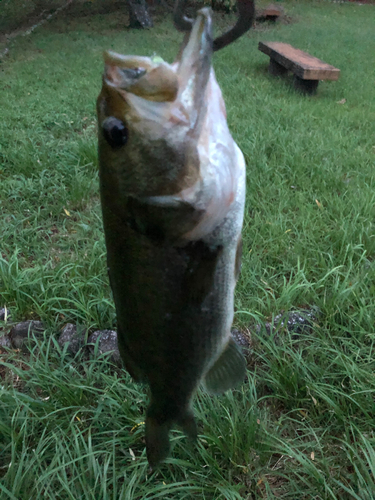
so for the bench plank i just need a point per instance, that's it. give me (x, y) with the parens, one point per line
(300, 63)
(270, 13)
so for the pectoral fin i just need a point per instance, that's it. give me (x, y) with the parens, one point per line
(228, 371)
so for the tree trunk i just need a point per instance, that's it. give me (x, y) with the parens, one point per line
(139, 16)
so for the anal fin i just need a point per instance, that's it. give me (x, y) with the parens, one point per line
(228, 371)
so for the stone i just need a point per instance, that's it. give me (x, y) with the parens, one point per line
(107, 342)
(5, 314)
(295, 322)
(23, 332)
(5, 341)
(242, 339)
(73, 336)
(2, 314)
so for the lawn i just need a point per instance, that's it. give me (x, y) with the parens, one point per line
(302, 427)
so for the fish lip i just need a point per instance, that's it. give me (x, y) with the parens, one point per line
(123, 70)
(194, 67)
(172, 94)
(112, 58)
(200, 42)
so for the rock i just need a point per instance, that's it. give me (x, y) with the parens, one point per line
(25, 331)
(73, 336)
(107, 342)
(295, 322)
(242, 339)
(5, 341)
(4, 314)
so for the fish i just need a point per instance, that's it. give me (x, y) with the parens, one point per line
(172, 189)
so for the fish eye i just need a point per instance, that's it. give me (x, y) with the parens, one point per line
(115, 132)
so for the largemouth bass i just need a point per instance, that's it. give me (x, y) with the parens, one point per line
(172, 185)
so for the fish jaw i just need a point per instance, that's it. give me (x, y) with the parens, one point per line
(194, 67)
(162, 107)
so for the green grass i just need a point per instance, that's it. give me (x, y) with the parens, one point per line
(303, 425)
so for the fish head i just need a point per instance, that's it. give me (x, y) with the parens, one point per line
(150, 115)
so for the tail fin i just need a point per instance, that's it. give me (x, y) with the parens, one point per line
(157, 435)
(157, 440)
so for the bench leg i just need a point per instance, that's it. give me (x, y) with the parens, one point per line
(275, 69)
(305, 86)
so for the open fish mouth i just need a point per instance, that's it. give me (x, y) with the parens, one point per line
(157, 109)
(155, 80)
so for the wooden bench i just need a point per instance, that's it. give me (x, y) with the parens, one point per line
(308, 70)
(270, 13)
